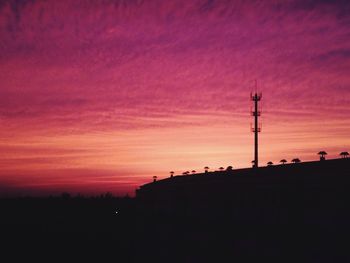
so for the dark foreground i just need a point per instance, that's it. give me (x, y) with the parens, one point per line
(295, 228)
(90, 229)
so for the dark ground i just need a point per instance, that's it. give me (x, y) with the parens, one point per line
(90, 229)
(292, 213)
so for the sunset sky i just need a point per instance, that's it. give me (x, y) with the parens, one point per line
(99, 96)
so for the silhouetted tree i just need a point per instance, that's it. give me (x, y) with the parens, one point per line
(296, 160)
(344, 154)
(65, 195)
(193, 171)
(80, 196)
(322, 155)
(253, 163)
(221, 169)
(186, 173)
(269, 163)
(206, 169)
(283, 161)
(171, 174)
(108, 195)
(229, 168)
(155, 178)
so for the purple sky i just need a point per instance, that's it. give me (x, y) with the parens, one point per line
(100, 96)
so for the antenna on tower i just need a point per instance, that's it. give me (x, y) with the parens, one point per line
(256, 113)
(256, 86)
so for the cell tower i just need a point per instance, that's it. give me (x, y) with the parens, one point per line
(255, 98)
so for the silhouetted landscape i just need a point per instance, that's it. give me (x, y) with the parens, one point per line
(285, 212)
(99, 99)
